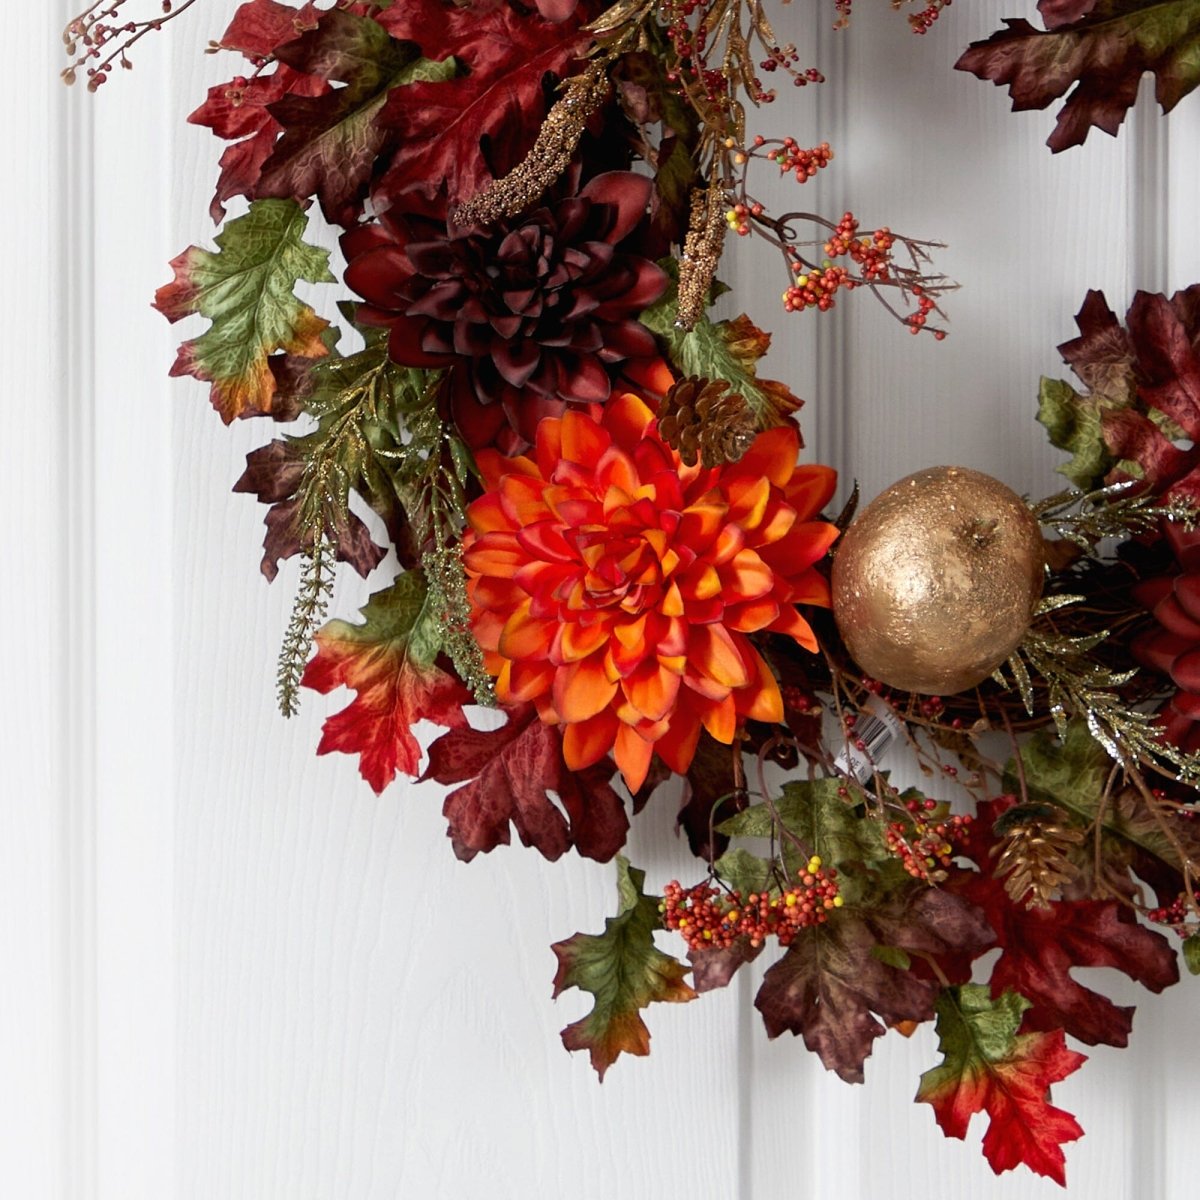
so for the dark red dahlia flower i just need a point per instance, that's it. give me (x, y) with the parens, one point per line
(531, 314)
(1174, 647)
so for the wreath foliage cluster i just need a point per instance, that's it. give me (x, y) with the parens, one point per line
(599, 525)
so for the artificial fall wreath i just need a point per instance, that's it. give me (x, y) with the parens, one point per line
(603, 531)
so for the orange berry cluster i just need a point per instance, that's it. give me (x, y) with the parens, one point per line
(815, 288)
(925, 849)
(872, 254)
(711, 919)
(791, 156)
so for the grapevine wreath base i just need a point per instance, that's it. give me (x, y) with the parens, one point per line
(602, 528)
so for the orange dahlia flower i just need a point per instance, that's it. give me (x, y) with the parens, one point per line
(615, 588)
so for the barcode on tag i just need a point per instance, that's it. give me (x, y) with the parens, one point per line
(874, 733)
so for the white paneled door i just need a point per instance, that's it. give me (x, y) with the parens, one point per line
(228, 971)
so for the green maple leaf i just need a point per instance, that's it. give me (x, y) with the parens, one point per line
(1099, 59)
(624, 972)
(246, 289)
(989, 1067)
(1074, 423)
(725, 350)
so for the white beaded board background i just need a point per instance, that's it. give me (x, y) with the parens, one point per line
(228, 971)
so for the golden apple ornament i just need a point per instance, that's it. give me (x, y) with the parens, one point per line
(935, 583)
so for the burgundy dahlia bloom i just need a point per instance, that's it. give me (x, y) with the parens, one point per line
(1174, 646)
(531, 314)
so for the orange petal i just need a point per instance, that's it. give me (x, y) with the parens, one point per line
(652, 690)
(587, 742)
(748, 501)
(633, 754)
(524, 636)
(583, 441)
(700, 523)
(523, 681)
(522, 501)
(762, 702)
(779, 518)
(677, 747)
(791, 623)
(579, 640)
(671, 604)
(810, 489)
(487, 513)
(751, 616)
(617, 469)
(720, 719)
(652, 375)
(702, 582)
(713, 652)
(581, 689)
(772, 455)
(494, 466)
(747, 577)
(627, 418)
(549, 445)
(810, 587)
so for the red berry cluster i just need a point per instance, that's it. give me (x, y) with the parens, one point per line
(785, 57)
(916, 321)
(804, 164)
(711, 919)
(921, 21)
(1176, 915)
(691, 47)
(737, 218)
(926, 849)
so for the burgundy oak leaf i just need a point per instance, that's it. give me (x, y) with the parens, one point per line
(507, 776)
(1098, 58)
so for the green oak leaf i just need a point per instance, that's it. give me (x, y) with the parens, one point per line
(725, 350)
(246, 289)
(1191, 954)
(1074, 424)
(623, 971)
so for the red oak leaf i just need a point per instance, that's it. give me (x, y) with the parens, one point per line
(1099, 58)
(1040, 948)
(508, 774)
(332, 142)
(238, 109)
(260, 26)
(989, 1067)
(442, 128)
(833, 977)
(391, 661)
(623, 971)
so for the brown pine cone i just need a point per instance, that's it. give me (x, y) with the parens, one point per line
(706, 422)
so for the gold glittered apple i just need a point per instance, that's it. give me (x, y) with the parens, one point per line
(935, 584)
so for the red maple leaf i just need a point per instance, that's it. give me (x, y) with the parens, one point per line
(1040, 948)
(391, 660)
(508, 774)
(442, 128)
(989, 1067)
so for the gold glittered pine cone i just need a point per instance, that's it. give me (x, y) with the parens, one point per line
(706, 422)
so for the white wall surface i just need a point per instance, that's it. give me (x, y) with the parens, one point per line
(229, 971)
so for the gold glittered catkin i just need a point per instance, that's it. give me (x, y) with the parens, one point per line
(935, 584)
(548, 159)
(701, 253)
